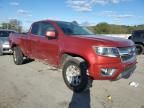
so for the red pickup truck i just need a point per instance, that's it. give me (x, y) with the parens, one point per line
(83, 56)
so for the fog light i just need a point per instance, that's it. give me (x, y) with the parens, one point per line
(108, 71)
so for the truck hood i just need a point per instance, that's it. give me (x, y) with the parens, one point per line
(108, 41)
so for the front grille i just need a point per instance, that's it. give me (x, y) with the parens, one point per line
(6, 49)
(127, 53)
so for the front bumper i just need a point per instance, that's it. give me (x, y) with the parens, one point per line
(123, 70)
(5, 48)
(127, 72)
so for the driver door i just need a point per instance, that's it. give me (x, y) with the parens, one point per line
(48, 48)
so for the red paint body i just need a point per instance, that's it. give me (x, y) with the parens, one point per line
(52, 50)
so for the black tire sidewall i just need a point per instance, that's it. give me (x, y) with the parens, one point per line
(18, 55)
(140, 51)
(84, 78)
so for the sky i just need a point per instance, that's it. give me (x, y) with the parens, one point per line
(86, 12)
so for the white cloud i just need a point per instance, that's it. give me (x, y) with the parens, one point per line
(24, 13)
(107, 13)
(14, 3)
(100, 2)
(104, 2)
(79, 5)
(124, 16)
(116, 17)
(21, 11)
(86, 5)
(115, 1)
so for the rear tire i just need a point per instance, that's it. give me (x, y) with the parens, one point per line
(75, 75)
(18, 56)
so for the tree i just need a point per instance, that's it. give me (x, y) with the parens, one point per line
(5, 25)
(105, 28)
(13, 24)
(102, 28)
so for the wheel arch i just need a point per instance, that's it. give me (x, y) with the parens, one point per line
(66, 55)
(13, 45)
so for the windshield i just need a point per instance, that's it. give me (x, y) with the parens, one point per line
(5, 33)
(70, 28)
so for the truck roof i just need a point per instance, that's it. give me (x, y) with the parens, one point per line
(49, 20)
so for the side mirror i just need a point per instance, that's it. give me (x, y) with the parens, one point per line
(51, 34)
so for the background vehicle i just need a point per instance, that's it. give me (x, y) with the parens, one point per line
(4, 43)
(138, 38)
(82, 55)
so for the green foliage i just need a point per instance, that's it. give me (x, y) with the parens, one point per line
(105, 28)
(13, 24)
(102, 28)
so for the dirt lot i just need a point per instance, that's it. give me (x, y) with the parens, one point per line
(35, 85)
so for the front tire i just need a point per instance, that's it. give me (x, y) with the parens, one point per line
(17, 56)
(75, 75)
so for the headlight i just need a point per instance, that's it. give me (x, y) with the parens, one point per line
(107, 51)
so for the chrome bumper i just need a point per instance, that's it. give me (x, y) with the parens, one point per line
(127, 72)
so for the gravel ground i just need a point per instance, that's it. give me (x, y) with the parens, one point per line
(36, 85)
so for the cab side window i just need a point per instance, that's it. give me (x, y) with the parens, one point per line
(35, 29)
(44, 27)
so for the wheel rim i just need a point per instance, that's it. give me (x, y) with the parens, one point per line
(14, 56)
(73, 75)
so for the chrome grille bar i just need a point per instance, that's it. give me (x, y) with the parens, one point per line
(128, 53)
